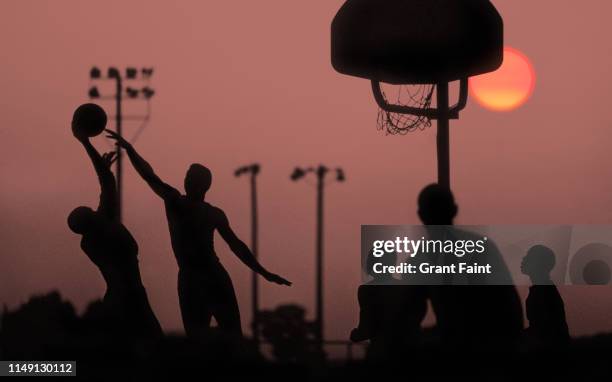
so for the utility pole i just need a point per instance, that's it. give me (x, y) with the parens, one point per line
(253, 171)
(119, 130)
(320, 172)
(145, 93)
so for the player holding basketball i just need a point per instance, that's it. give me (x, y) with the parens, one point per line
(204, 286)
(111, 247)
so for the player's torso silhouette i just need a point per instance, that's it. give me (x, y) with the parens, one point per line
(192, 227)
(112, 248)
(114, 251)
(546, 314)
(205, 288)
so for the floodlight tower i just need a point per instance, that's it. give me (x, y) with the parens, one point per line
(320, 172)
(146, 93)
(253, 171)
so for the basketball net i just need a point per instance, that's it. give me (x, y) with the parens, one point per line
(417, 96)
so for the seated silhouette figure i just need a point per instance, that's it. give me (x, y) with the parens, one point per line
(111, 247)
(470, 315)
(390, 315)
(204, 286)
(544, 305)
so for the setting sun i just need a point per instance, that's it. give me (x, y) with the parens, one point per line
(508, 87)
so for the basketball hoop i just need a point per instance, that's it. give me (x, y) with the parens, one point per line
(420, 46)
(414, 96)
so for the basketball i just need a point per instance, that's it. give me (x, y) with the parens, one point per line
(89, 119)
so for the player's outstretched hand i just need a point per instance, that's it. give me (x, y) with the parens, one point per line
(119, 140)
(357, 336)
(274, 278)
(109, 157)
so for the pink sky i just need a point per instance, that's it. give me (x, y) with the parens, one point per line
(239, 82)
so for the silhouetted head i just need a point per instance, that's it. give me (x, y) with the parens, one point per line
(538, 263)
(81, 219)
(197, 181)
(437, 205)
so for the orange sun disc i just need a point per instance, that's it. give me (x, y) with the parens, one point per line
(508, 87)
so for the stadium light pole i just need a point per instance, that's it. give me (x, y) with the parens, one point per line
(145, 93)
(320, 172)
(253, 171)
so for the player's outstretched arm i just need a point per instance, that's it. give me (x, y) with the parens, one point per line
(143, 168)
(243, 252)
(109, 203)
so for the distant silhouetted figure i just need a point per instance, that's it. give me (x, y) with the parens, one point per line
(390, 315)
(470, 314)
(544, 305)
(204, 286)
(111, 247)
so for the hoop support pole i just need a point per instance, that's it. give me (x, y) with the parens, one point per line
(443, 139)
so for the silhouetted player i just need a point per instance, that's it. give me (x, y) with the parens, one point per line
(466, 314)
(111, 247)
(544, 305)
(204, 286)
(390, 315)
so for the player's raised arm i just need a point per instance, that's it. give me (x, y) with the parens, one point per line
(109, 203)
(243, 252)
(144, 169)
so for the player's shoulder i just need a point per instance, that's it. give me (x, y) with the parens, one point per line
(215, 211)
(172, 194)
(365, 292)
(173, 198)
